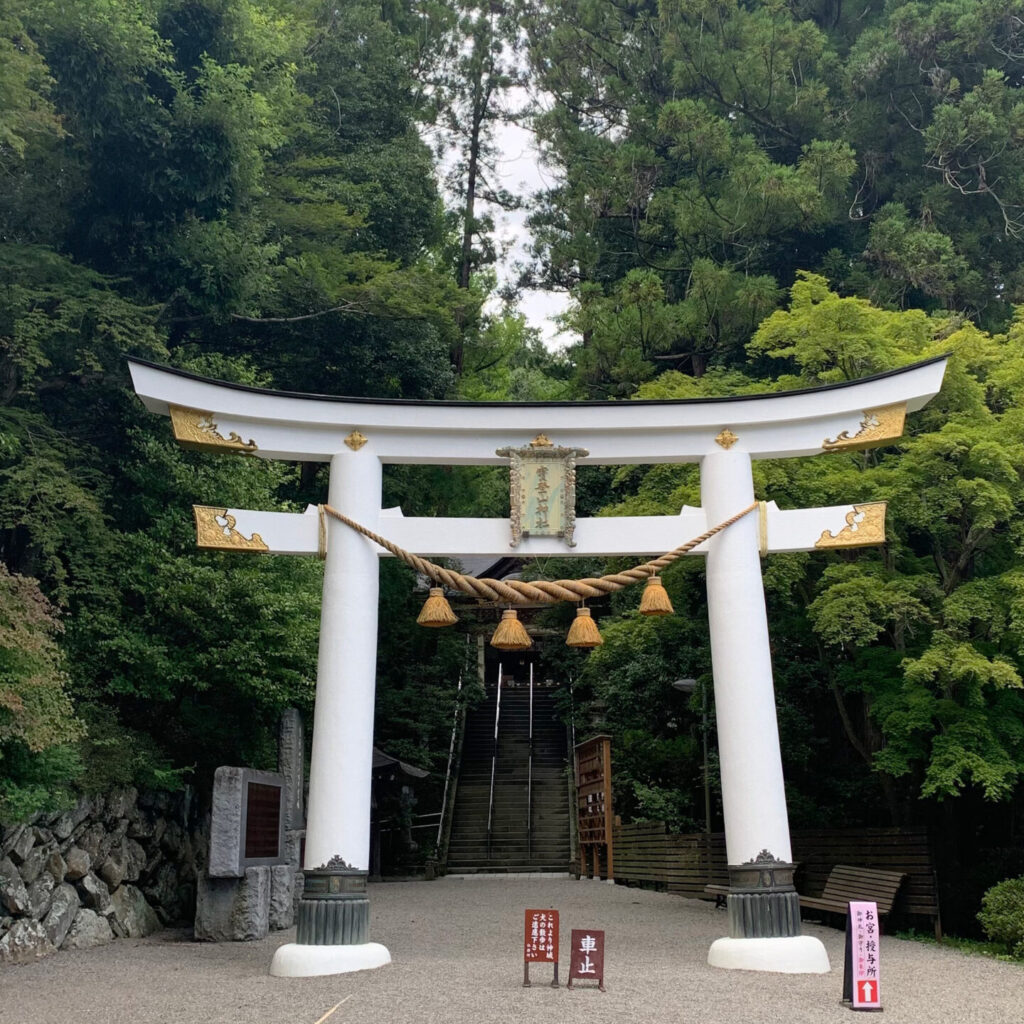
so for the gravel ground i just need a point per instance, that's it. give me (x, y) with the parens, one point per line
(456, 945)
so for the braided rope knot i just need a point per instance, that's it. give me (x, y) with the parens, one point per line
(536, 591)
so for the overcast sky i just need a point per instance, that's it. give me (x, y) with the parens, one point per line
(521, 174)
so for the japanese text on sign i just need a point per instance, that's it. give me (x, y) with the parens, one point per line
(587, 957)
(541, 939)
(867, 994)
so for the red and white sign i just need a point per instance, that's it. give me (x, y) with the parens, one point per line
(586, 959)
(541, 940)
(867, 992)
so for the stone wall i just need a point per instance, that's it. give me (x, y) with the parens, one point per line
(114, 866)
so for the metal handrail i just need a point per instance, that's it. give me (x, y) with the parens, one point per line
(451, 756)
(494, 764)
(529, 779)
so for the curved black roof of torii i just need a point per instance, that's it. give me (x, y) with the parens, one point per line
(457, 403)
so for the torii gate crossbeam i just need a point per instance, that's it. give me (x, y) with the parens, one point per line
(358, 437)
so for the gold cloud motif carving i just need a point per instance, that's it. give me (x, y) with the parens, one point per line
(882, 424)
(726, 439)
(217, 531)
(194, 428)
(865, 526)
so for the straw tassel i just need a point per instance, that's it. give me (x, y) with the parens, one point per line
(583, 632)
(511, 634)
(655, 600)
(436, 611)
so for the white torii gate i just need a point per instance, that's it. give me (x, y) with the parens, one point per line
(358, 436)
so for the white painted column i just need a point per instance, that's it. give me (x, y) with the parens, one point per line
(338, 819)
(341, 762)
(753, 791)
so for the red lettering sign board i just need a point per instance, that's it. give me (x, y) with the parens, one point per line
(862, 977)
(540, 942)
(586, 959)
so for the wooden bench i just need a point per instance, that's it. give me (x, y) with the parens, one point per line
(695, 865)
(846, 883)
(903, 850)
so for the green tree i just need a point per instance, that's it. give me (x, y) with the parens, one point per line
(38, 726)
(723, 146)
(232, 186)
(910, 653)
(470, 88)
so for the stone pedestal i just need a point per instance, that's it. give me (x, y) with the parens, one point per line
(762, 901)
(334, 909)
(295, 961)
(333, 927)
(233, 910)
(799, 954)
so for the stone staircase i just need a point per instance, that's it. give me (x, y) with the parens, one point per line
(534, 838)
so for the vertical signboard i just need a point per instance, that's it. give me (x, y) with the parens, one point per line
(540, 942)
(594, 805)
(586, 959)
(862, 973)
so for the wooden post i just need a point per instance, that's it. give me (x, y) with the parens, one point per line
(607, 768)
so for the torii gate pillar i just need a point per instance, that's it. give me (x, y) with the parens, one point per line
(764, 908)
(341, 761)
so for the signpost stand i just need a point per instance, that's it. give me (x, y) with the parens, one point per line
(862, 967)
(586, 959)
(540, 942)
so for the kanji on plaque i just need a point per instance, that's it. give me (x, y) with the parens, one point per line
(586, 960)
(865, 955)
(540, 942)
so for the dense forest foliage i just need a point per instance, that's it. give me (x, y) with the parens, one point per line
(747, 196)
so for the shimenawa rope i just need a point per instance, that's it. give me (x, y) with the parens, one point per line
(536, 591)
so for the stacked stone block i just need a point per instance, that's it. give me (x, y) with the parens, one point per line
(119, 865)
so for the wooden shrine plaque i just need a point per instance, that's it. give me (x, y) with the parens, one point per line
(542, 490)
(586, 958)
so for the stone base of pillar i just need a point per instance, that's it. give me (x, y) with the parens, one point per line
(763, 915)
(798, 954)
(301, 961)
(334, 909)
(764, 922)
(337, 922)
(333, 927)
(762, 901)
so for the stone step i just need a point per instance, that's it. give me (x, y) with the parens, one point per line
(523, 837)
(558, 835)
(545, 851)
(499, 854)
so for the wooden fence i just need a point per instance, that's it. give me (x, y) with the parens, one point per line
(683, 864)
(646, 854)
